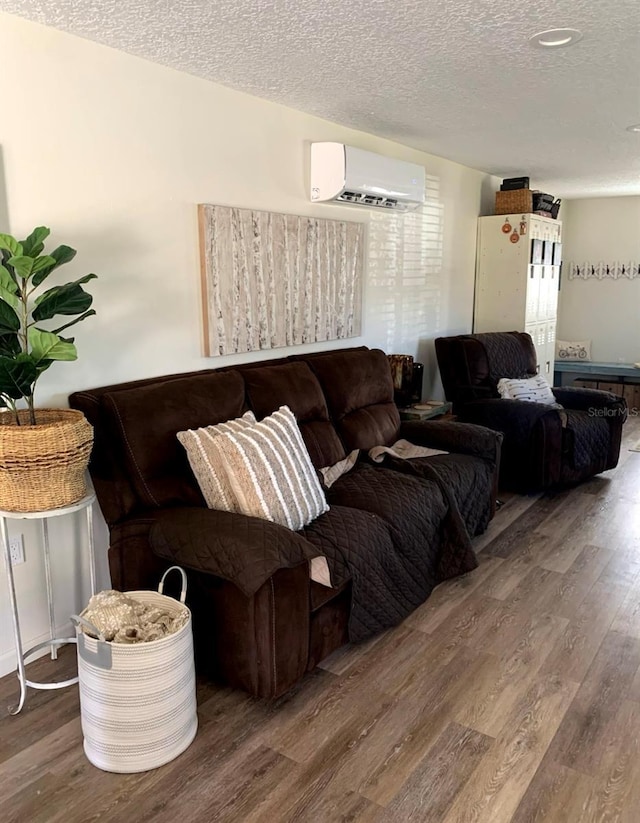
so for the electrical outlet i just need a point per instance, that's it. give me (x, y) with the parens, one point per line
(16, 549)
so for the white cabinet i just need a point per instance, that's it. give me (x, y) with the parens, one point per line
(517, 279)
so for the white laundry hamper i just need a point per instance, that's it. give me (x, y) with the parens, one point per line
(138, 702)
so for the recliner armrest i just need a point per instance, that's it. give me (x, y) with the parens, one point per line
(515, 418)
(246, 551)
(461, 438)
(532, 450)
(581, 399)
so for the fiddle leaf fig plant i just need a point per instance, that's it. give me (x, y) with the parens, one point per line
(26, 349)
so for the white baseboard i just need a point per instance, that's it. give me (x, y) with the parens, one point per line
(8, 660)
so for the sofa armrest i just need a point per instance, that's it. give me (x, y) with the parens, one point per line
(258, 643)
(249, 594)
(246, 551)
(586, 399)
(461, 438)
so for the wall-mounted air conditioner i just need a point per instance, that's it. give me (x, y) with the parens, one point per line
(344, 174)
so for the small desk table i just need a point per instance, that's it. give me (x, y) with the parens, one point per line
(623, 372)
(85, 504)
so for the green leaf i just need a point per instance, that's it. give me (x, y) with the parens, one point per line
(68, 299)
(43, 365)
(27, 266)
(34, 244)
(9, 344)
(84, 279)
(23, 265)
(8, 288)
(43, 262)
(73, 322)
(61, 255)
(55, 289)
(5, 264)
(11, 245)
(9, 326)
(46, 345)
(9, 320)
(17, 376)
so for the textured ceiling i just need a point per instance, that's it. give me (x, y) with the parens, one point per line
(455, 78)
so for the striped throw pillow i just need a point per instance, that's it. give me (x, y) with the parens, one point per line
(213, 482)
(264, 469)
(534, 389)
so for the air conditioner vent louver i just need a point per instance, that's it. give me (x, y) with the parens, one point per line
(368, 200)
(345, 174)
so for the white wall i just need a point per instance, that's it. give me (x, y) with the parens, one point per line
(114, 153)
(606, 311)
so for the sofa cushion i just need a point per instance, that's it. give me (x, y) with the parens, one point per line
(396, 538)
(470, 480)
(359, 390)
(144, 422)
(412, 507)
(294, 385)
(262, 470)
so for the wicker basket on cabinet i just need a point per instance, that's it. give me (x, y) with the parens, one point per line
(512, 202)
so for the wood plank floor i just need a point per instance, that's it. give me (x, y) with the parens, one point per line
(512, 694)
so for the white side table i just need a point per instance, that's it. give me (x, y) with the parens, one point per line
(85, 504)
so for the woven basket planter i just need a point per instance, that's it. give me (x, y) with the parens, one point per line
(43, 466)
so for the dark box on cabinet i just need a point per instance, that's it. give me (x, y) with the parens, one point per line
(511, 183)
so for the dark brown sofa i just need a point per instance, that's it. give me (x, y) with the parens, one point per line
(260, 623)
(543, 447)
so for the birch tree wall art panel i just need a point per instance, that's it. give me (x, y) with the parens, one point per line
(272, 280)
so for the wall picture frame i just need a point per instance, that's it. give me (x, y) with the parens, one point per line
(271, 280)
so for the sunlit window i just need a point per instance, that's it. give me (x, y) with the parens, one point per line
(404, 287)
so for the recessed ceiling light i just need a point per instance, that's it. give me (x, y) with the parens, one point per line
(634, 128)
(555, 38)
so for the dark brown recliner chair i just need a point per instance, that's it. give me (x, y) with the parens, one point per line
(543, 447)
